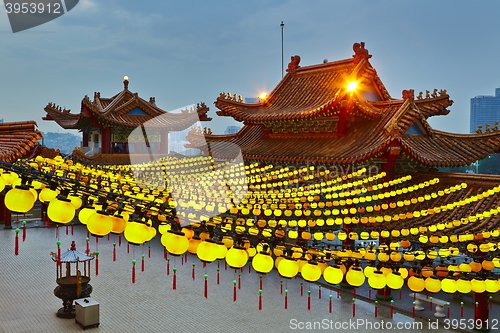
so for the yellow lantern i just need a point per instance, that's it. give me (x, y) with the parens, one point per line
(119, 224)
(100, 223)
(75, 201)
(491, 285)
(61, 210)
(488, 265)
(221, 250)
(311, 272)
(383, 257)
(84, 214)
(175, 242)
(19, 199)
(262, 263)
(416, 283)
(288, 267)
(433, 284)
(475, 266)
(370, 255)
(355, 276)
(333, 274)
(207, 250)
(377, 280)
(395, 256)
(47, 194)
(478, 285)
(394, 280)
(236, 257)
(135, 232)
(464, 286)
(368, 270)
(193, 244)
(449, 285)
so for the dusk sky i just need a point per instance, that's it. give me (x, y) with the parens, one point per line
(185, 52)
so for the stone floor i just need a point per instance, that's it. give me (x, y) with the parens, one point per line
(27, 302)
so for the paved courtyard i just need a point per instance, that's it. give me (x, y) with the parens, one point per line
(27, 302)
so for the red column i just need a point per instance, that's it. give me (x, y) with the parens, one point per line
(342, 123)
(5, 214)
(85, 139)
(105, 140)
(481, 312)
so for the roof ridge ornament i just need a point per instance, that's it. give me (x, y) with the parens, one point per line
(294, 64)
(360, 52)
(125, 82)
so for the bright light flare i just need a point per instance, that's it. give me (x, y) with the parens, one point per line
(351, 86)
(263, 96)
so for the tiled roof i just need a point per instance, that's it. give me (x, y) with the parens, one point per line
(115, 111)
(18, 139)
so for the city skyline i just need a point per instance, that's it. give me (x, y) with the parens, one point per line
(184, 54)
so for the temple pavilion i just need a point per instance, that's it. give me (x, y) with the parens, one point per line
(107, 125)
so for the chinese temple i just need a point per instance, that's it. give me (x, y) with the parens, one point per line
(19, 140)
(107, 125)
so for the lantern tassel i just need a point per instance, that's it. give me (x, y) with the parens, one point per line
(193, 273)
(308, 300)
(72, 228)
(301, 289)
(413, 309)
(260, 299)
(234, 291)
(168, 266)
(96, 263)
(24, 231)
(239, 281)
(281, 287)
(353, 307)
(142, 262)
(120, 240)
(376, 309)
(87, 250)
(430, 303)
(260, 282)
(114, 251)
(16, 243)
(67, 230)
(57, 231)
(149, 251)
(249, 269)
(319, 291)
(58, 243)
(205, 292)
(218, 275)
(174, 280)
(286, 299)
(331, 304)
(391, 311)
(461, 309)
(133, 271)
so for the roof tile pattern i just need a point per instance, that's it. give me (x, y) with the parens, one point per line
(18, 139)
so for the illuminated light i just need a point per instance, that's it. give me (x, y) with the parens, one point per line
(311, 272)
(368, 271)
(288, 268)
(175, 242)
(19, 200)
(61, 210)
(355, 276)
(333, 274)
(478, 285)
(377, 280)
(351, 86)
(464, 286)
(449, 285)
(395, 280)
(416, 283)
(433, 284)
(207, 250)
(262, 263)
(491, 285)
(236, 257)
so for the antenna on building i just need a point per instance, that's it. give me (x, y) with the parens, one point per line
(282, 59)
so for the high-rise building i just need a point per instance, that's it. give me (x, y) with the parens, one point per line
(484, 110)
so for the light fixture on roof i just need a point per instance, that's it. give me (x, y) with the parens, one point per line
(263, 97)
(125, 82)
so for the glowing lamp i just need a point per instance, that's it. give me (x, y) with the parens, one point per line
(491, 285)
(262, 263)
(221, 250)
(75, 201)
(175, 242)
(333, 274)
(394, 280)
(478, 285)
(433, 284)
(311, 272)
(395, 256)
(377, 280)
(19, 199)
(228, 241)
(370, 255)
(488, 265)
(475, 266)
(47, 194)
(61, 210)
(368, 270)
(288, 267)
(84, 214)
(193, 244)
(207, 250)
(236, 257)
(119, 224)
(416, 283)
(99, 224)
(449, 285)
(135, 232)
(464, 286)
(355, 276)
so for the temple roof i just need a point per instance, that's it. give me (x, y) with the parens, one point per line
(18, 139)
(300, 121)
(125, 109)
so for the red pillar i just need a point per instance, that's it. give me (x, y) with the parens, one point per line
(5, 213)
(85, 139)
(105, 141)
(481, 312)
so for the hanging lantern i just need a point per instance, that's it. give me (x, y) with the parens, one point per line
(491, 285)
(449, 285)
(311, 272)
(433, 284)
(262, 263)
(75, 201)
(394, 280)
(464, 286)
(47, 194)
(99, 224)
(236, 257)
(355, 276)
(488, 265)
(119, 224)
(193, 244)
(84, 214)
(135, 232)
(221, 250)
(368, 270)
(61, 210)
(416, 283)
(478, 285)
(475, 266)
(377, 280)
(19, 199)
(207, 250)
(175, 242)
(333, 274)
(395, 256)
(288, 267)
